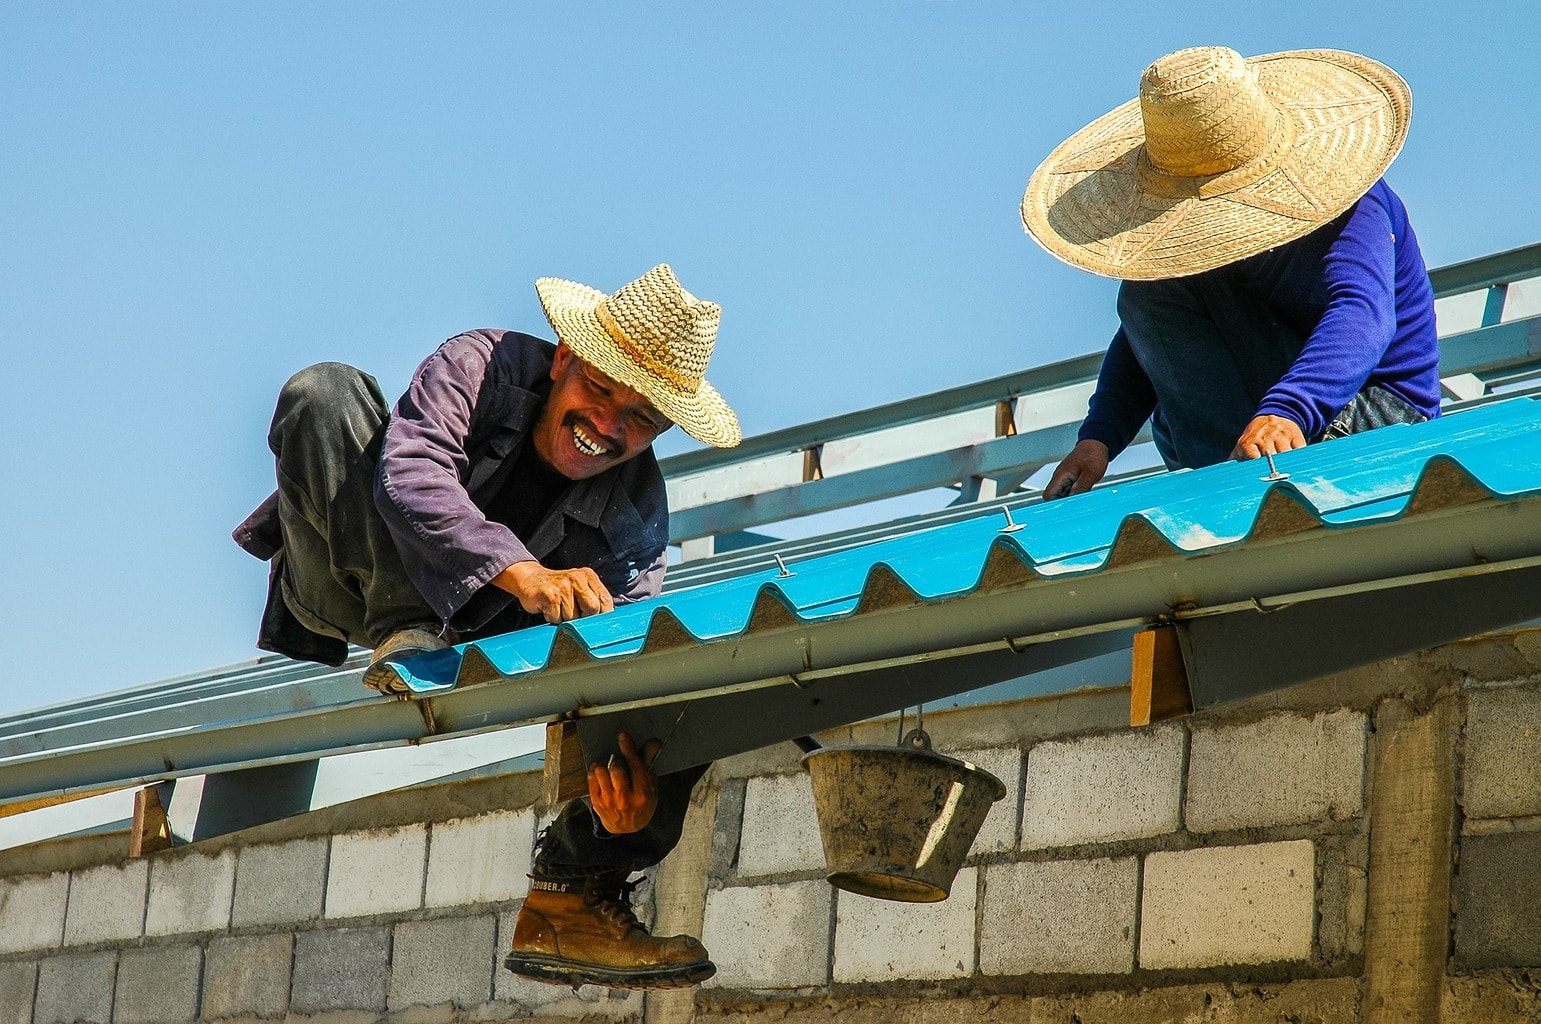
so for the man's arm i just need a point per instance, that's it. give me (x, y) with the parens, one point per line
(1122, 402)
(1359, 275)
(450, 548)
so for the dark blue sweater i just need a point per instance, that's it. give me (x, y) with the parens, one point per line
(1356, 289)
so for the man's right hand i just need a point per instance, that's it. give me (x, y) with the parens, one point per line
(556, 594)
(1079, 471)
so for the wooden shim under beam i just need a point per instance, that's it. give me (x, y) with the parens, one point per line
(149, 833)
(1158, 685)
(566, 774)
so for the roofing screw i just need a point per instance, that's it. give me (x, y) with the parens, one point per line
(1010, 527)
(785, 572)
(1273, 472)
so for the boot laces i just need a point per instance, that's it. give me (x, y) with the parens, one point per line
(611, 896)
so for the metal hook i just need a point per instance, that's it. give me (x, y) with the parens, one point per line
(1273, 472)
(1011, 526)
(785, 572)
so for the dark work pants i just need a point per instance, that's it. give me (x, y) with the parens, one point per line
(338, 570)
(1211, 352)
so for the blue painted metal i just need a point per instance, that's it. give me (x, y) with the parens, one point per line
(1369, 478)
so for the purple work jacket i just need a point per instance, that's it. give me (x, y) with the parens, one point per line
(451, 446)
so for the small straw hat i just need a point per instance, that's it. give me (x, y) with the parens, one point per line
(654, 337)
(1219, 159)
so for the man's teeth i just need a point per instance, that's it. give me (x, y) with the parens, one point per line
(586, 444)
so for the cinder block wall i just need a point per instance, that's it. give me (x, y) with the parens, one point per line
(1361, 848)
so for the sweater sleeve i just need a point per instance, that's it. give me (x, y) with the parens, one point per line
(448, 546)
(1359, 276)
(1123, 400)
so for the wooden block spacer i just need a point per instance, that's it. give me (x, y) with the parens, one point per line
(1158, 684)
(566, 774)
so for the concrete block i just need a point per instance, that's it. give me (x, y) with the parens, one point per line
(1283, 770)
(279, 883)
(106, 903)
(780, 830)
(32, 911)
(1498, 891)
(480, 860)
(445, 961)
(999, 832)
(75, 988)
(1059, 917)
(376, 872)
(18, 987)
(341, 969)
(880, 940)
(157, 985)
(247, 975)
(769, 936)
(190, 893)
(1098, 789)
(1228, 905)
(1503, 754)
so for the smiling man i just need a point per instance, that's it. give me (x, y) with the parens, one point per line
(513, 483)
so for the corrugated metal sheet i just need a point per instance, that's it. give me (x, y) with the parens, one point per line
(1493, 452)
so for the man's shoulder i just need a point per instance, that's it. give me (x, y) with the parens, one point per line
(511, 356)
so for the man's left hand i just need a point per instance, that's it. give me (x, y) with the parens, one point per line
(625, 794)
(1268, 435)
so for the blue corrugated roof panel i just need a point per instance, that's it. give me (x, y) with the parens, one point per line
(1490, 452)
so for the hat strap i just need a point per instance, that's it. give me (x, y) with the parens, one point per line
(641, 356)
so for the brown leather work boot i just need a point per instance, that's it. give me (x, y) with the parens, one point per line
(584, 933)
(402, 644)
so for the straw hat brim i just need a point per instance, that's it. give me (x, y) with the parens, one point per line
(1097, 204)
(572, 310)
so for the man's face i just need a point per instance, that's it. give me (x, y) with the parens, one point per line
(590, 422)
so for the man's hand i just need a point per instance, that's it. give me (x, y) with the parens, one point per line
(1268, 435)
(556, 594)
(1079, 471)
(625, 794)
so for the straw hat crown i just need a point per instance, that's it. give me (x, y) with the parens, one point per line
(1219, 158)
(653, 336)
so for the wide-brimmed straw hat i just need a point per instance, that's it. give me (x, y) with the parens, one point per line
(1219, 158)
(654, 337)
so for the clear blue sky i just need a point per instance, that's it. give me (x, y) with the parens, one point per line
(197, 200)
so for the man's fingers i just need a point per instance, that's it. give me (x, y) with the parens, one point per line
(601, 787)
(650, 751)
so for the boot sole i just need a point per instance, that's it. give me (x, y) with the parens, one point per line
(556, 971)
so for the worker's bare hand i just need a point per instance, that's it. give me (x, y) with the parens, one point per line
(624, 792)
(1079, 471)
(558, 595)
(1268, 435)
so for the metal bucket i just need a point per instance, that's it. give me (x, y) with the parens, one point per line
(897, 822)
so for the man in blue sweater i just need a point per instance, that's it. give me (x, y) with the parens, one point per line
(1273, 292)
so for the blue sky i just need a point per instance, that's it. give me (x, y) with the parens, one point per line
(196, 200)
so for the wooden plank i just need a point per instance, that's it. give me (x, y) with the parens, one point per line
(1158, 684)
(53, 800)
(149, 833)
(566, 774)
(1412, 830)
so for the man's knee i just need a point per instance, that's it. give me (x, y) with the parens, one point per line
(322, 385)
(330, 404)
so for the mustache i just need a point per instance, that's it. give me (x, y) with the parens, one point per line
(572, 419)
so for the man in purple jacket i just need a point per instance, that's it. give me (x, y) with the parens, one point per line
(1273, 291)
(513, 483)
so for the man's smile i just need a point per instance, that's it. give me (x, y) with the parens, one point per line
(587, 444)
